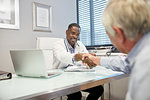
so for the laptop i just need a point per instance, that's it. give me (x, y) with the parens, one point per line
(33, 63)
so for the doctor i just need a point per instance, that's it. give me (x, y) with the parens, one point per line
(68, 52)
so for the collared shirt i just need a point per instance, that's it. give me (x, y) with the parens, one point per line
(71, 49)
(138, 64)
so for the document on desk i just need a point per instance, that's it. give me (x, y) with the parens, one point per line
(78, 69)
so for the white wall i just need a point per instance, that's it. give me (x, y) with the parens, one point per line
(63, 13)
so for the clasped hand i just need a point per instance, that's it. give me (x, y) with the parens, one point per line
(88, 60)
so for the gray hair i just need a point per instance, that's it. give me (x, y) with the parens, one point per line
(133, 16)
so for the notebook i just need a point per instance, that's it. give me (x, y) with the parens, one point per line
(75, 68)
(33, 63)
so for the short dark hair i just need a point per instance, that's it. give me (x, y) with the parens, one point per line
(73, 24)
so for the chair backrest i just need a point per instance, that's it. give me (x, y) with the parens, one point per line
(46, 42)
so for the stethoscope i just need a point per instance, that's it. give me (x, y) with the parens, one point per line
(67, 46)
(68, 49)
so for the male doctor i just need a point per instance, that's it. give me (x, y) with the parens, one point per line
(69, 52)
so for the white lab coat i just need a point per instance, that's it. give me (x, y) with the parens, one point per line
(61, 55)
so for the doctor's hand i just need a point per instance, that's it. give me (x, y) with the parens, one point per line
(93, 54)
(86, 61)
(78, 57)
(90, 60)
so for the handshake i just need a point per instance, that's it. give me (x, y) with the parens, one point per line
(88, 59)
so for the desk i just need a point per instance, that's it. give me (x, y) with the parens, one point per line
(19, 88)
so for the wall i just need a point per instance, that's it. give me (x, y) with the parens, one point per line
(63, 13)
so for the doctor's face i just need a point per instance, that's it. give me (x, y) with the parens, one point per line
(72, 35)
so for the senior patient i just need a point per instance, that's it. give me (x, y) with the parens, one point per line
(127, 23)
(68, 52)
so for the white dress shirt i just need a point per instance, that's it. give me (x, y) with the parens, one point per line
(62, 54)
(138, 64)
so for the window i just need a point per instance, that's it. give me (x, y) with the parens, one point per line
(89, 18)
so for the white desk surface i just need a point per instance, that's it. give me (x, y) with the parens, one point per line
(68, 82)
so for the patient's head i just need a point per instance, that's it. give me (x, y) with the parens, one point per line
(127, 21)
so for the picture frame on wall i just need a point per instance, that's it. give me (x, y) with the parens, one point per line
(42, 17)
(9, 14)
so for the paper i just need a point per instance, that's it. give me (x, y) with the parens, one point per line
(78, 69)
(42, 17)
(5, 9)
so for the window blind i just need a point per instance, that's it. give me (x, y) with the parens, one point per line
(89, 18)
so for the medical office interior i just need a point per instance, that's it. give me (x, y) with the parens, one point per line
(63, 12)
